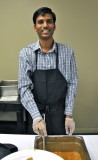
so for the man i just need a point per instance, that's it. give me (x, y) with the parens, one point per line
(48, 79)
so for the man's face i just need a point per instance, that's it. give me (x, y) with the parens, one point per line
(45, 26)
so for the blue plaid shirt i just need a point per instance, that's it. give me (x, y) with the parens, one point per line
(67, 67)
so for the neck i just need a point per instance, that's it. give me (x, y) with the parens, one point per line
(46, 45)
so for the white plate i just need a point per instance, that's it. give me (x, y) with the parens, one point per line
(36, 154)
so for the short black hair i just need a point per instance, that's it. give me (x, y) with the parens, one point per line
(42, 11)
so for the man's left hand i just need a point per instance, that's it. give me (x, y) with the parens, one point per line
(69, 126)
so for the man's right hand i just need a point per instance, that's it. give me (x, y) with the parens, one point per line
(39, 127)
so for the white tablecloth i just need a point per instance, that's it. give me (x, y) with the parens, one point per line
(27, 142)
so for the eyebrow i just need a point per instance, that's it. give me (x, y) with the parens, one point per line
(50, 20)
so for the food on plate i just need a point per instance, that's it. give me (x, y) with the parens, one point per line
(30, 158)
(69, 155)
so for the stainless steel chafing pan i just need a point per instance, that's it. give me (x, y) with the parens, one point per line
(63, 144)
(9, 88)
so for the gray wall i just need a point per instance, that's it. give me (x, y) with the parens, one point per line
(77, 26)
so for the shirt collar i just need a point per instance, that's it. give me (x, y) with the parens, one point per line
(38, 47)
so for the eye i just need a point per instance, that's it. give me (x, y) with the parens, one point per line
(49, 21)
(40, 21)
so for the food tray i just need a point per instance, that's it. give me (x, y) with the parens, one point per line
(63, 144)
(8, 90)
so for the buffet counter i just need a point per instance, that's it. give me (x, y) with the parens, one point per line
(27, 142)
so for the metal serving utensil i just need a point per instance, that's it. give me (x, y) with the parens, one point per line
(43, 137)
(43, 142)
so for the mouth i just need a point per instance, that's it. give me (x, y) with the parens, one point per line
(45, 31)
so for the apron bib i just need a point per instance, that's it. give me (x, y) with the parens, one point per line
(49, 92)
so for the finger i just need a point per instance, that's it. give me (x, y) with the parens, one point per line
(41, 129)
(70, 131)
(41, 133)
(73, 128)
(36, 131)
(66, 128)
(45, 132)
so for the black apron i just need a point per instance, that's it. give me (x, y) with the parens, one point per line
(49, 92)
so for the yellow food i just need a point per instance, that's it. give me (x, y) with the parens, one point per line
(69, 155)
(30, 158)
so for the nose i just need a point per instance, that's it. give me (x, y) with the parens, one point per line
(45, 24)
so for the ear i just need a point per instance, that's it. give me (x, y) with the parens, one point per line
(35, 27)
(54, 27)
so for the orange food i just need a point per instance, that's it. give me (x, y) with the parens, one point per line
(30, 158)
(69, 155)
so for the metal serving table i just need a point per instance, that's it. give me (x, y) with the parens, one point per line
(9, 102)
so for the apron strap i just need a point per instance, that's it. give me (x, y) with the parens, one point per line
(57, 56)
(36, 54)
